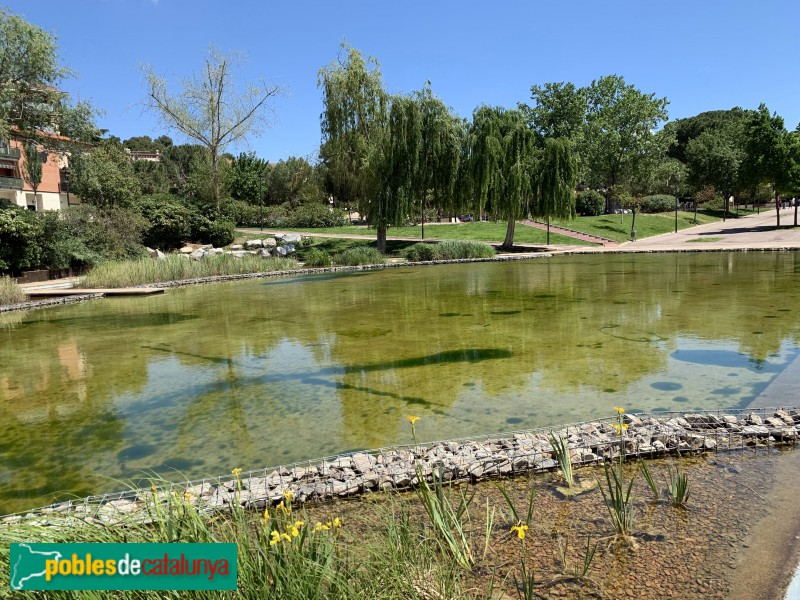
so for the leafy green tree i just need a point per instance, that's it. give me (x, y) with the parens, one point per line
(502, 164)
(248, 175)
(559, 111)
(210, 110)
(104, 176)
(353, 123)
(442, 137)
(293, 181)
(768, 157)
(33, 167)
(557, 178)
(619, 142)
(30, 74)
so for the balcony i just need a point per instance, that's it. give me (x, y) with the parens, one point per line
(10, 183)
(6, 152)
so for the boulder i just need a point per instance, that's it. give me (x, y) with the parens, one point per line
(269, 242)
(206, 247)
(198, 255)
(252, 244)
(151, 253)
(236, 248)
(186, 250)
(289, 238)
(216, 251)
(263, 252)
(284, 250)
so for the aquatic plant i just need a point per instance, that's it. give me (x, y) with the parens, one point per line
(10, 292)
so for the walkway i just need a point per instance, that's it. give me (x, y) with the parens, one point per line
(605, 242)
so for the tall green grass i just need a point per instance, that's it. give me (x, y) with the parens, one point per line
(174, 267)
(360, 255)
(10, 292)
(448, 250)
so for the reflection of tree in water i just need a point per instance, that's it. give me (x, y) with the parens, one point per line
(383, 345)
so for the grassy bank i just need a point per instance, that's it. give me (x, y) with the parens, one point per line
(175, 267)
(10, 292)
(478, 232)
(618, 227)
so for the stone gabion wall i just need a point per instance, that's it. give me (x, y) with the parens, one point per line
(468, 459)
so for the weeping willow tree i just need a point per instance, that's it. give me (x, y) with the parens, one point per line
(502, 165)
(354, 123)
(442, 136)
(556, 181)
(420, 158)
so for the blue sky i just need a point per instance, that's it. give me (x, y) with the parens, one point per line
(702, 55)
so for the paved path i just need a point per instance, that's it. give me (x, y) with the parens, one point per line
(752, 231)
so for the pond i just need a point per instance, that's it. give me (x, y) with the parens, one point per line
(249, 374)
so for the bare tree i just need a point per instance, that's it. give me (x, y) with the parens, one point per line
(209, 109)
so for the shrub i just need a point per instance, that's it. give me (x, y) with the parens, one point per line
(360, 255)
(110, 233)
(590, 203)
(217, 232)
(315, 214)
(19, 234)
(10, 292)
(317, 258)
(658, 203)
(169, 221)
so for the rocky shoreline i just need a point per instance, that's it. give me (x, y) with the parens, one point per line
(472, 459)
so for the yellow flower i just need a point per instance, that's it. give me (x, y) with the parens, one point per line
(289, 495)
(520, 529)
(274, 538)
(320, 527)
(337, 522)
(153, 488)
(619, 410)
(294, 530)
(286, 537)
(412, 419)
(188, 496)
(236, 472)
(624, 427)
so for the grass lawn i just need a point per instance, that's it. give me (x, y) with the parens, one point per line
(477, 232)
(618, 227)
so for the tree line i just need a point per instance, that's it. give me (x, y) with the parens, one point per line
(394, 158)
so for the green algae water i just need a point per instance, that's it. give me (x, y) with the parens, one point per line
(204, 379)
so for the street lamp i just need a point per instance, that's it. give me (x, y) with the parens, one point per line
(676, 213)
(261, 200)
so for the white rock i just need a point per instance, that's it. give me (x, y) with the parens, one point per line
(198, 255)
(250, 244)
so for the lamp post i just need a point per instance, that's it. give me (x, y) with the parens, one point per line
(676, 213)
(261, 176)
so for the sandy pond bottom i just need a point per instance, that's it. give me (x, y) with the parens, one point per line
(737, 538)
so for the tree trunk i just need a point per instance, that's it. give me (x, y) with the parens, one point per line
(548, 230)
(382, 239)
(509, 241)
(777, 209)
(795, 212)
(422, 236)
(633, 226)
(215, 178)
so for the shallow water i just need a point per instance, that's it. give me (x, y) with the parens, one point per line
(204, 379)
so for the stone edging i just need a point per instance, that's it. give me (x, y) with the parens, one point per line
(468, 459)
(47, 302)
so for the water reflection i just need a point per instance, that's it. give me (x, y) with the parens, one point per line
(247, 374)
